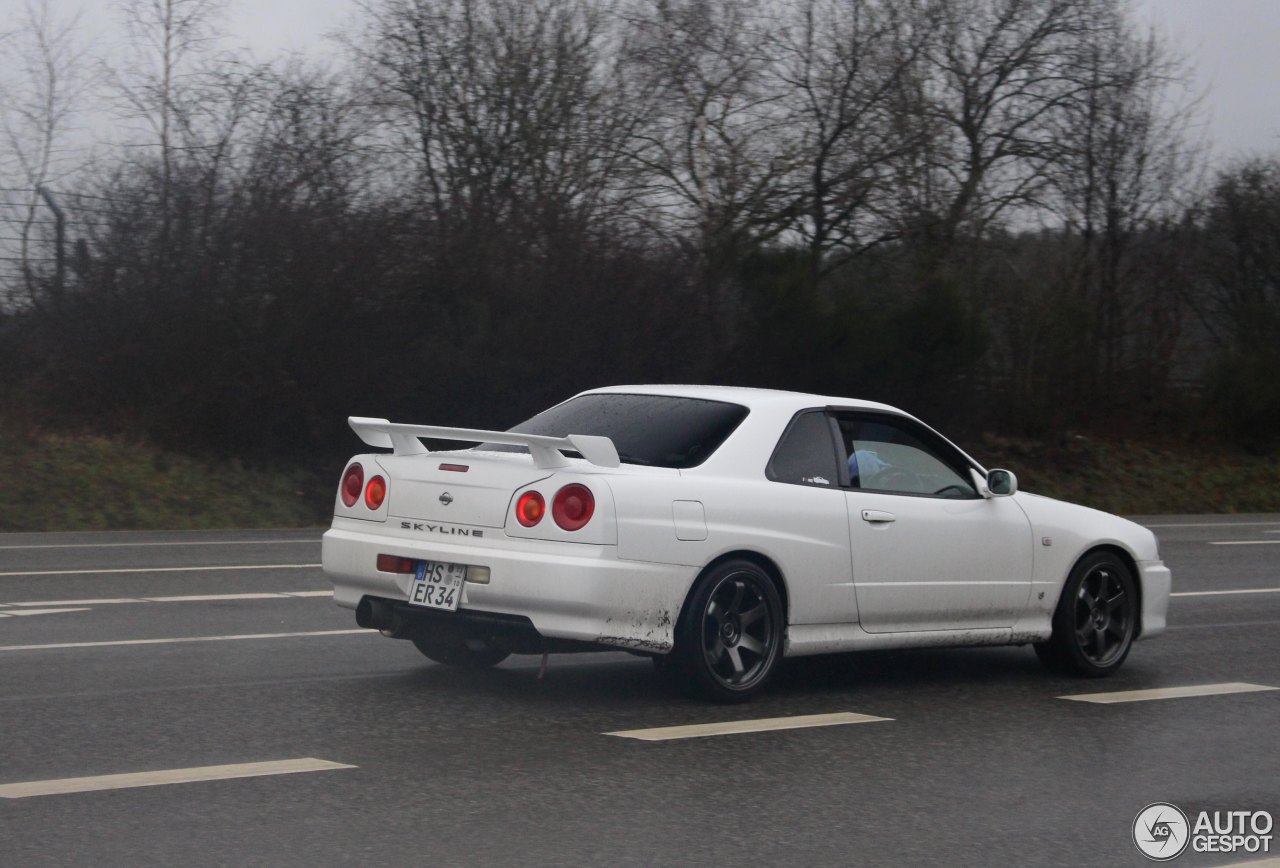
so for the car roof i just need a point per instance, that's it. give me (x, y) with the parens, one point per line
(771, 409)
(751, 398)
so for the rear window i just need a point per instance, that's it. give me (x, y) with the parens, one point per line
(653, 430)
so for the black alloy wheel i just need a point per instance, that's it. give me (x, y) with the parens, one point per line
(729, 638)
(1096, 620)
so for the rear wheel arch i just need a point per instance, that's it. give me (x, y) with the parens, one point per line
(764, 562)
(731, 631)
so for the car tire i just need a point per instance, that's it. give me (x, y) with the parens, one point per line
(1096, 619)
(729, 636)
(469, 654)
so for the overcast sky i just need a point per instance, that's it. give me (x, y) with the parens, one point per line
(1234, 44)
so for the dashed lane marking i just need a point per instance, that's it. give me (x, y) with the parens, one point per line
(1225, 625)
(190, 598)
(210, 598)
(52, 646)
(27, 789)
(123, 545)
(38, 612)
(1168, 693)
(1247, 542)
(1222, 524)
(1225, 593)
(163, 570)
(733, 727)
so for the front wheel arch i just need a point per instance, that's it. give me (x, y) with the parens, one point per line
(1127, 559)
(1096, 617)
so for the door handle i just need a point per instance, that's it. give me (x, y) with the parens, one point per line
(876, 516)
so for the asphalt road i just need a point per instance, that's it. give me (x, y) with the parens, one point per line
(979, 762)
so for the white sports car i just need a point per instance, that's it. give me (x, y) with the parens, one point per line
(719, 529)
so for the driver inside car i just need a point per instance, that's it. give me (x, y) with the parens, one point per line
(865, 465)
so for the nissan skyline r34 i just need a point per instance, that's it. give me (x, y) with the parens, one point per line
(718, 530)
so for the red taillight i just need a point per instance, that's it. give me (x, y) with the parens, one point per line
(573, 507)
(396, 564)
(352, 484)
(530, 508)
(375, 492)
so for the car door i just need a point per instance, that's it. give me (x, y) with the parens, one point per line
(805, 521)
(929, 552)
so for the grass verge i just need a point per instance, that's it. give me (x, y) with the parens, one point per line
(1132, 478)
(57, 482)
(60, 482)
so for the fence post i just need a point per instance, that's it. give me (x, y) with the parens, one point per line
(60, 238)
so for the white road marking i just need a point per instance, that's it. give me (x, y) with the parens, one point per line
(122, 642)
(732, 727)
(39, 612)
(121, 545)
(163, 570)
(1168, 693)
(105, 602)
(192, 598)
(210, 598)
(1225, 625)
(1220, 593)
(1247, 542)
(27, 789)
(930, 584)
(1222, 524)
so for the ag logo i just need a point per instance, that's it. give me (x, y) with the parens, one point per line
(1161, 831)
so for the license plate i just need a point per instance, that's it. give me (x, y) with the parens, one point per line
(437, 586)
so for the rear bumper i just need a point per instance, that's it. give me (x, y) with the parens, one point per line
(511, 633)
(566, 590)
(1157, 582)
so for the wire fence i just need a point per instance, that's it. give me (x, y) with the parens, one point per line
(39, 229)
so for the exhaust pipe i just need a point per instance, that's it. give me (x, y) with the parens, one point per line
(375, 614)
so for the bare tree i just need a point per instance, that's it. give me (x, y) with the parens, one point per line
(711, 152)
(46, 79)
(1236, 293)
(1128, 164)
(846, 65)
(501, 104)
(1238, 285)
(999, 72)
(167, 40)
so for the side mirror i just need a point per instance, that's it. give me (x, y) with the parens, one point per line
(1002, 483)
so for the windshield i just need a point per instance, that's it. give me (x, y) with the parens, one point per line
(653, 430)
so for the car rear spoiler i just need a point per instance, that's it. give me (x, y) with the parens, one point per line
(404, 439)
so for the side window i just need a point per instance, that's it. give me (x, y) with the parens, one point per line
(806, 454)
(895, 456)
